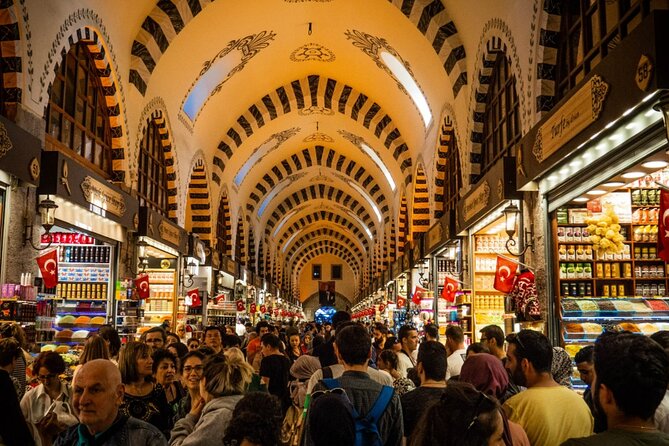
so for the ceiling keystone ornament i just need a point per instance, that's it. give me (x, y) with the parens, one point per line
(318, 137)
(312, 52)
(315, 110)
(320, 178)
(248, 47)
(355, 139)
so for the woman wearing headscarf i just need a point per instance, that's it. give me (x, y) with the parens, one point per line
(561, 367)
(487, 374)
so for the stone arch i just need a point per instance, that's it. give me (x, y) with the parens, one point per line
(11, 93)
(496, 39)
(85, 25)
(329, 220)
(240, 240)
(548, 22)
(198, 202)
(305, 95)
(251, 251)
(433, 21)
(224, 222)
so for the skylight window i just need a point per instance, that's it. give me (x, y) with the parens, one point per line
(217, 74)
(373, 155)
(404, 77)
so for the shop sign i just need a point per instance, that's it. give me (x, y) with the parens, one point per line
(20, 152)
(230, 266)
(102, 196)
(476, 201)
(644, 73)
(433, 236)
(169, 233)
(581, 110)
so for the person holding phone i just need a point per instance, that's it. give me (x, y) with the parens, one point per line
(47, 408)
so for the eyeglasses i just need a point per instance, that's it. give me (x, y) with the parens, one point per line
(477, 411)
(48, 377)
(197, 369)
(515, 338)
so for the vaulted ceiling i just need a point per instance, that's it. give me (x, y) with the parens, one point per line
(292, 112)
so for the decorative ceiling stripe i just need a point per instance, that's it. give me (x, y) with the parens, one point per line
(160, 32)
(446, 139)
(326, 218)
(433, 21)
(549, 39)
(262, 261)
(392, 243)
(297, 95)
(305, 257)
(166, 142)
(240, 242)
(402, 226)
(224, 220)
(323, 234)
(322, 243)
(420, 210)
(198, 214)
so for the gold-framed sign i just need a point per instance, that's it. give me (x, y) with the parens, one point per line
(476, 201)
(169, 233)
(581, 110)
(102, 196)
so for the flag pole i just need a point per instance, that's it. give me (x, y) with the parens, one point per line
(517, 261)
(661, 186)
(457, 280)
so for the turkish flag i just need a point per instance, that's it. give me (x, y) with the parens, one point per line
(48, 266)
(219, 300)
(253, 308)
(417, 294)
(450, 287)
(142, 286)
(663, 227)
(401, 302)
(240, 305)
(194, 297)
(505, 274)
(263, 309)
(382, 308)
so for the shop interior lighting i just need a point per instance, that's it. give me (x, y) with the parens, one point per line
(581, 199)
(613, 184)
(655, 164)
(511, 217)
(192, 269)
(633, 175)
(47, 210)
(641, 117)
(596, 192)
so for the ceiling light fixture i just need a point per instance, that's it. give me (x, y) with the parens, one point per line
(655, 164)
(581, 199)
(633, 175)
(614, 184)
(596, 192)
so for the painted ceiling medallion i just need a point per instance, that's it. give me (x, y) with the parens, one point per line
(315, 110)
(312, 52)
(318, 137)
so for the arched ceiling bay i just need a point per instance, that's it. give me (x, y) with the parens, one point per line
(300, 112)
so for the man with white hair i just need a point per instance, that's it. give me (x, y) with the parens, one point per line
(97, 394)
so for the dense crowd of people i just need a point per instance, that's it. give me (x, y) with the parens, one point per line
(344, 383)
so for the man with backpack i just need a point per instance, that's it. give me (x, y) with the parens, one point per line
(375, 409)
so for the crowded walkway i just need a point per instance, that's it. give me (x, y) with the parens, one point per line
(155, 392)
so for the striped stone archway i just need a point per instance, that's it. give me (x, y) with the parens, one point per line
(198, 203)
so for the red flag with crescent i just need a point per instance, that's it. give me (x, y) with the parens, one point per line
(401, 302)
(48, 266)
(449, 290)
(253, 308)
(194, 297)
(505, 274)
(142, 286)
(663, 227)
(240, 305)
(263, 309)
(417, 294)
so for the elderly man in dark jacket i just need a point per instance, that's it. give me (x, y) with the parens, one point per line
(96, 396)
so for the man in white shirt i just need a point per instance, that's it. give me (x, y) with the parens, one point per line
(408, 337)
(455, 343)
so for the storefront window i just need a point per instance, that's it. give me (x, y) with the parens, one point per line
(589, 30)
(77, 116)
(501, 124)
(152, 178)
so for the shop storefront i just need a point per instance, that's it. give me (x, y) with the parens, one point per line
(481, 221)
(223, 303)
(444, 252)
(91, 222)
(599, 162)
(421, 303)
(166, 245)
(20, 163)
(199, 264)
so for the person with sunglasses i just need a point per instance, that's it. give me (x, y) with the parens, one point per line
(549, 413)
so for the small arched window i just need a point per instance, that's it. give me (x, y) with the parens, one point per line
(152, 175)
(501, 123)
(77, 118)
